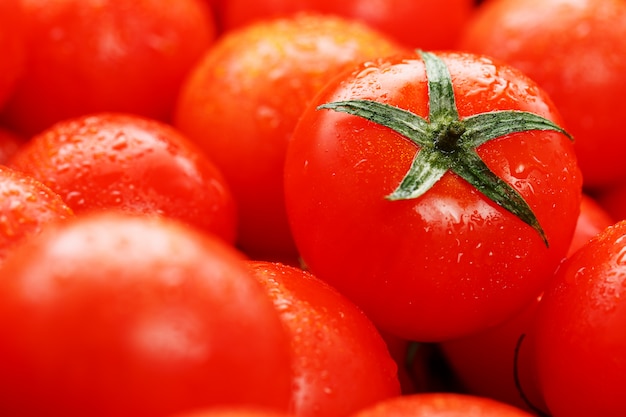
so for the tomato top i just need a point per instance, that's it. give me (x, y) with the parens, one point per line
(461, 256)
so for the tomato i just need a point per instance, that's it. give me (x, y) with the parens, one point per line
(111, 314)
(341, 362)
(241, 103)
(580, 340)
(12, 45)
(88, 56)
(395, 223)
(485, 361)
(576, 51)
(26, 208)
(441, 405)
(127, 162)
(416, 24)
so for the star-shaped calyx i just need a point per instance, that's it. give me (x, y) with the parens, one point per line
(448, 143)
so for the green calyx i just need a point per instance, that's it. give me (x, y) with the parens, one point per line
(448, 143)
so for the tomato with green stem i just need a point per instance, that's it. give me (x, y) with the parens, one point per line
(437, 191)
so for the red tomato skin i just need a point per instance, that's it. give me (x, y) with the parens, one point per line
(341, 362)
(26, 208)
(130, 163)
(87, 56)
(440, 22)
(448, 263)
(575, 51)
(242, 101)
(441, 405)
(121, 315)
(580, 340)
(12, 45)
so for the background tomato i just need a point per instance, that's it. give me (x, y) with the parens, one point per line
(414, 23)
(12, 46)
(441, 405)
(240, 104)
(110, 314)
(450, 262)
(89, 56)
(576, 51)
(26, 207)
(341, 362)
(579, 337)
(130, 163)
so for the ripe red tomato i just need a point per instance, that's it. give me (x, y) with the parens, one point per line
(88, 56)
(12, 45)
(452, 260)
(440, 22)
(242, 101)
(26, 207)
(580, 342)
(441, 405)
(127, 162)
(576, 51)
(341, 362)
(110, 314)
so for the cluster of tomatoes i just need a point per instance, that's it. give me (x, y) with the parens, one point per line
(312, 208)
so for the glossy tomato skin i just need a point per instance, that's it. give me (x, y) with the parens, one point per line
(441, 405)
(13, 47)
(450, 262)
(440, 22)
(88, 56)
(575, 50)
(580, 342)
(341, 362)
(26, 207)
(112, 314)
(130, 163)
(241, 103)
